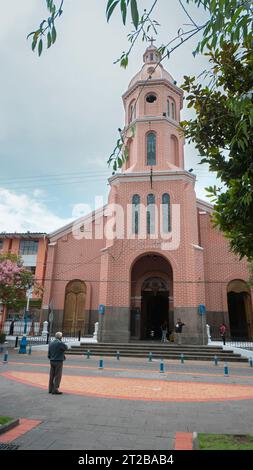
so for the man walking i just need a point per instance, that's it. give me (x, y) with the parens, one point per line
(56, 351)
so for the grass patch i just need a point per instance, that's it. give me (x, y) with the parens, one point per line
(5, 419)
(225, 442)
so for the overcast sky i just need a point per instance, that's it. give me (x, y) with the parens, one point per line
(59, 113)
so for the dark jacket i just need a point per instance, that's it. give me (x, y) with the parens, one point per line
(56, 350)
(179, 327)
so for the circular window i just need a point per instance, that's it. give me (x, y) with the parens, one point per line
(151, 98)
(151, 70)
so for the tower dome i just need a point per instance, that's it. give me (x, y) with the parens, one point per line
(152, 68)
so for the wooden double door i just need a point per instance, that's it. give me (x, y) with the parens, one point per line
(74, 308)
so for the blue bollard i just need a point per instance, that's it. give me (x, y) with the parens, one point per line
(150, 356)
(23, 344)
(30, 349)
(88, 354)
(226, 370)
(161, 366)
(215, 359)
(118, 355)
(5, 359)
(250, 361)
(101, 364)
(182, 358)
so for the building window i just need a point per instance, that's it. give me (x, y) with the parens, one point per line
(132, 112)
(31, 268)
(28, 247)
(168, 107)
(136, 213)
(151, 98)
(166, 213)
(150, 214)
(151, 149)
(1, 244)
(171, 108)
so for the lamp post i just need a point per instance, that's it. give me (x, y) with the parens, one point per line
(23, 343)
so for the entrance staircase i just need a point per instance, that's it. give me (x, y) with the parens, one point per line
(159, 350)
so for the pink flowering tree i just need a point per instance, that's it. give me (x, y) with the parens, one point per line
(15, 280)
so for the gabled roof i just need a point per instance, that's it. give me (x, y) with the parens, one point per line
(85, 220)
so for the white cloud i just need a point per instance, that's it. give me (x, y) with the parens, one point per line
(20, 213)
(38, 193)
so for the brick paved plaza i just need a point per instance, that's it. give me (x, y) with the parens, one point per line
(127, 405)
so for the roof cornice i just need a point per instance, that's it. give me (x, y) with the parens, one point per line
(153, 82)
(159, 175)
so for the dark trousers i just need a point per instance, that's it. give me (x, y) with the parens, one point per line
(55, 375)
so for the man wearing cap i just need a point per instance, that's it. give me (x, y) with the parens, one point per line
(56, 355)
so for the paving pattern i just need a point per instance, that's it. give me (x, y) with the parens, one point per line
(138, 389)
(128, 405)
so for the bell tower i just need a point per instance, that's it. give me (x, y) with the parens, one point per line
(152, 114)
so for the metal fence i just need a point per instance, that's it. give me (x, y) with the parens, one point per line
(236, 339)
(34, 333)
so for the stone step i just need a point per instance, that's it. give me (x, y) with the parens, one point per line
(176, 350)
(157, 351)
(187, 356)
(166, 351)
(118, 347)
(150, 344)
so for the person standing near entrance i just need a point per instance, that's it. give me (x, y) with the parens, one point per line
(11, 328)
(56, 355)
(164, 329)
(223, 330)
(178, 331)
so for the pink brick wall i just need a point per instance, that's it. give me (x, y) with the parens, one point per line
(220, 265)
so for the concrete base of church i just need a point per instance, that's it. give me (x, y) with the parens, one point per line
(194, 330)
(114, 325)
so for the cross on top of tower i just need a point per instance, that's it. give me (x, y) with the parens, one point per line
(152, 40)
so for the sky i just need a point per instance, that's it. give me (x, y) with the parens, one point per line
(59, 113)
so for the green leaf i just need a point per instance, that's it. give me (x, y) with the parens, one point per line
(40, 47)
(53, 35)
(34, 43)
(135, 13)
(111, 9)
(124, 62)
(49, 40)
(123, 10)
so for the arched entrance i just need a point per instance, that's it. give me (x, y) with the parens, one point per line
(151, 297)
(240, 309)
(74, 307)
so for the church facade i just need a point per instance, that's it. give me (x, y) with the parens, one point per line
(151, 255)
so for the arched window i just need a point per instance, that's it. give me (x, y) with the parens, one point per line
(168, 107)
(132, 112)
(136, 213)
(166, 213)
(151, 148)
(171, 108)
(174, 150)
(150, 213)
